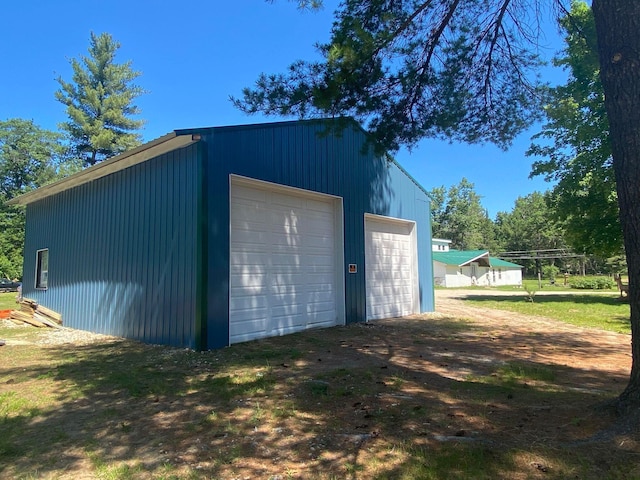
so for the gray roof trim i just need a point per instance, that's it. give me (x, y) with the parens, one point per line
(127, 159)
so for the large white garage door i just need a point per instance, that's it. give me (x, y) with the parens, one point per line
(283, 264)
(391, 267)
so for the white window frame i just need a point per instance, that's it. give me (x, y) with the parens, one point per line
(42, 281)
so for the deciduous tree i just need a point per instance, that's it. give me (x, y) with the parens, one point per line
(99, 102)
(579, 155)
(29, 157)
(459, 216)
(531, 225)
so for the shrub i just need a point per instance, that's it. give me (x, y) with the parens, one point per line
(595, 283)
(550, 272)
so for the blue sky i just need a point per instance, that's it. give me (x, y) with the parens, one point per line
(194, 55)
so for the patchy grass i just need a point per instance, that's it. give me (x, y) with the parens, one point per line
(417, 398)
(8, 301)
(605, 312)
(559, 285)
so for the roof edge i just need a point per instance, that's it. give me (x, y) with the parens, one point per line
(339, 120)
(147, 151)
(477, 254)
(483, 254)
(344, 120)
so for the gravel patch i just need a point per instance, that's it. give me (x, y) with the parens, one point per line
(57, 336)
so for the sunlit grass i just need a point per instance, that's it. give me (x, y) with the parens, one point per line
(592, 311)
(8, 301)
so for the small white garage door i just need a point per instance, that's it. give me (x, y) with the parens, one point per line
(391, 267)
(283, 263)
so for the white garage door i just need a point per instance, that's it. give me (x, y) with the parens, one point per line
(391, 267)
(283, 263)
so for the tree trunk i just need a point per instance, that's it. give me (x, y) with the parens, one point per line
(618, 30)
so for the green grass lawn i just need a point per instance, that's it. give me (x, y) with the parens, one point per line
(606, 312)
(8, 301)
(558, 286)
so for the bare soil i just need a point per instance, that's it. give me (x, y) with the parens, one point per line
(606, 355)
(361, 401)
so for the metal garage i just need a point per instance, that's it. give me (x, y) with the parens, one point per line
(391, 263)
(217, 235)
(285, 249)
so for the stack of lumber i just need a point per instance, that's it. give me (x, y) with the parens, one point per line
(37, 315)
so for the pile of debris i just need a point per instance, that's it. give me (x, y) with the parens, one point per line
(37, 315)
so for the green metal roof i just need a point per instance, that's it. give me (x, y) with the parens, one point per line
(497, 262)
(461, 258)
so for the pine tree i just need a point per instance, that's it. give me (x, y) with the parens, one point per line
(99, 102)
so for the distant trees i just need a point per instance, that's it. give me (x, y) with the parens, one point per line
(99, 101)
(458, 215)
(29, 157)
(529, 226)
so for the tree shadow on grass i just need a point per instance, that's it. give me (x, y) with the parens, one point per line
(384, 400)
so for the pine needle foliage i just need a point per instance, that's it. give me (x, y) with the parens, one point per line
(99, 103)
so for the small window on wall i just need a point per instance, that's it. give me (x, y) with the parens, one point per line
(42, 268)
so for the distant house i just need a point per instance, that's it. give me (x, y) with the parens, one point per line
(464, 268)
(440, 245)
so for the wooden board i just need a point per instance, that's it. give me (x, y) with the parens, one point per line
(47, 321)
(55, 316)
(26, 318)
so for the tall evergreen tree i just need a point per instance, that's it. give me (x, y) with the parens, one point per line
(99, 102)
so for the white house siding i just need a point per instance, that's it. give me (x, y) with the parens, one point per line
(511, 276)
(440, 274)
(452, 276)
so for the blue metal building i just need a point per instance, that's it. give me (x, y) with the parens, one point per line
(211, 236)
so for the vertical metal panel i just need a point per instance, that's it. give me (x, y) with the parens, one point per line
(123, 251)
(304, 155)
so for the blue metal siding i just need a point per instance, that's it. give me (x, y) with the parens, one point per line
(123, 251)
(144, 253)
(303, 155)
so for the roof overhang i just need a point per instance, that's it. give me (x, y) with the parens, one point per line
(482, 260)
(127, 159)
